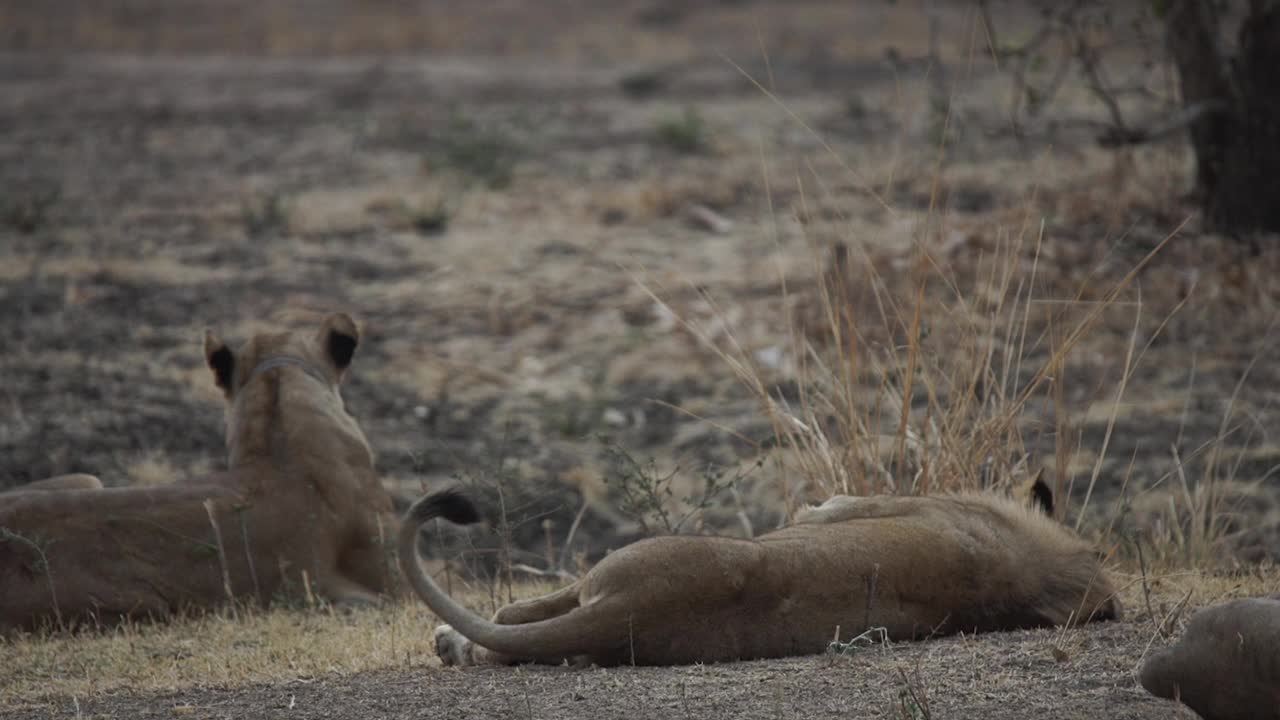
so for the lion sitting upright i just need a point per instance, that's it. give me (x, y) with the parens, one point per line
(915, 566)
(299, 504)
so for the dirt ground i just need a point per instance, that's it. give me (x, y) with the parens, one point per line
(490, 189)
(1010, 676)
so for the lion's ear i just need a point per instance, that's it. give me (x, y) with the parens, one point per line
(1041, 494)
(221, 361)
(339, 338)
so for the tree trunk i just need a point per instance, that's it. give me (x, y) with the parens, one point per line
(1236, 136)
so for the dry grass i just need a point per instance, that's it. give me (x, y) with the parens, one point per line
(153, 469)
(921, 370)
(933, 392)
(226, 649)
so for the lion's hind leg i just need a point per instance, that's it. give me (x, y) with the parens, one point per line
(540, 608)
(454, 649)
(346, 593)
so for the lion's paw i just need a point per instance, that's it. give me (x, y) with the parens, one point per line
(452, 647)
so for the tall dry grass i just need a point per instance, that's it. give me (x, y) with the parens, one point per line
(921, 383)
(925, 377)
(922, 374)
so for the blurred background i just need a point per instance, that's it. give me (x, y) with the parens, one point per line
(653, 266)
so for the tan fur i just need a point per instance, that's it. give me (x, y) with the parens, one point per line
(74, 481)
(1227, 664)
(299, 496)
(916, 566)
(57, 483)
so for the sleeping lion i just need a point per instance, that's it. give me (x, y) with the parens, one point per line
(915, 566)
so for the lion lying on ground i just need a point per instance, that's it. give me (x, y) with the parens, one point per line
(74, 481)
(916, 566)
(299, 506)
(57, 483)
(1227, 664)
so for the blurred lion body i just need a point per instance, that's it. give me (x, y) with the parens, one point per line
(299, 504)
(57, 483)
(915, 566)
(74, 481)
(1226, 666)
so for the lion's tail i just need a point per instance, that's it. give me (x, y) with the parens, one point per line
(579, 632)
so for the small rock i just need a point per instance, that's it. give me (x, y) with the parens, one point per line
(664, 319)
(771, 357)
(704, 217)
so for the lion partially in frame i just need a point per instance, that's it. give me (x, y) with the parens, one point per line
(299, 505)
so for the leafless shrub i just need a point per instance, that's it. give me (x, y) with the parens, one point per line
(646, 494)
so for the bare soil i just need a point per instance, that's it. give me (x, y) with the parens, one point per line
(483, 188)
(1006, 675)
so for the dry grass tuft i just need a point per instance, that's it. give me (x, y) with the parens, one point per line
(916, 375)
(152, 469)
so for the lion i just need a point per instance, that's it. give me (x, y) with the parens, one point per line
(914, 566)
(1227, 664)
(57, 483)
(73, 481)
(299, 507)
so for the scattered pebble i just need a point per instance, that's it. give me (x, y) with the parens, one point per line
(707, 219)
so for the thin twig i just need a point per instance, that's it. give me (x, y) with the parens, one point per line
(1115, 411)
(1162, 630)
(631, 638)
(248, 556)
(871, 595)
(222, 555)
(573, 530)
(306, 589)
(1146, 587)
(1089, 63)
(9, 535)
